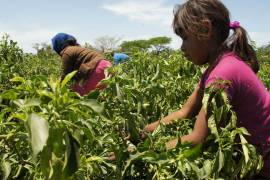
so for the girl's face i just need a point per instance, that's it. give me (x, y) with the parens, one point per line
(196, 50)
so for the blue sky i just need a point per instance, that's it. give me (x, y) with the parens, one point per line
(36, 21)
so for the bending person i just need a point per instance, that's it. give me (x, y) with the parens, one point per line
(90, 64)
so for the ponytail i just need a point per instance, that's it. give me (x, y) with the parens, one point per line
(238, 42)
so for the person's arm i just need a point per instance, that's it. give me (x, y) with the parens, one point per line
(198, 135)
(67, 65)
(190, 109)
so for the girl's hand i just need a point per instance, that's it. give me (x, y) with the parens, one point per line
(171, 144)
(127, 137)
(111, 157)
(151, 127)
(143, 135)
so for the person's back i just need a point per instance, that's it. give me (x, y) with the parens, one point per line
(249, 98)
(79, 58)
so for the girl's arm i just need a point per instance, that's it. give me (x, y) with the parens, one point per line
(190, 109)
(198, 134)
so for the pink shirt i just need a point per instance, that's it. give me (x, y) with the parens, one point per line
(93, 81)
(248, 96)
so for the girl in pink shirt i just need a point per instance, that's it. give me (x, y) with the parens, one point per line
(204, 26)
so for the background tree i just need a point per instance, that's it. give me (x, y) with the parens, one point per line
(43, 50)
(157, 43)
(135, 45)
(160, 43)
(107, 43)
(263, 53)
(88, 45)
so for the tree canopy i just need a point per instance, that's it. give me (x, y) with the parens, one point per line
(156, 43)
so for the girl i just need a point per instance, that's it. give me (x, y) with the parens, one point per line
(89, 63)
(204, 26)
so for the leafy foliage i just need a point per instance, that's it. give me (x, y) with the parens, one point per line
(16, 63)
(49, 132)
(263, 54)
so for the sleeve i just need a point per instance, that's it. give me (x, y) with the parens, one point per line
(230, 71)
(68, 65)
(88, 67)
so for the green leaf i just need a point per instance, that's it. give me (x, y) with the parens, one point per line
(93, 104)
(72, 155)
(207, 167)
(68, 78)
(45, 160)
(118, 91)
(39, 132)
(54, 148)
(55, 171)
(18, 79)
(193, 153)
(93, 94)
(213, 126)
(6, 168)
(9, 94)
(157, 73)
(220, 160)
(54, 85)
(94, 159)
(136, 157)
(25, 103)
(21, 116)
(245, 148)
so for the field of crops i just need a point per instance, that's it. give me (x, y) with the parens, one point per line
(50, 132)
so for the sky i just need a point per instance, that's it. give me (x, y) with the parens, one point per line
(37, 21)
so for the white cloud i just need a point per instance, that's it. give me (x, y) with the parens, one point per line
(154, 11)
(27, 37)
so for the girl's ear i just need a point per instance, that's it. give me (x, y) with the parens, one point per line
(205, 31)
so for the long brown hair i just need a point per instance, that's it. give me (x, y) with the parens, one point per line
(189, 18)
